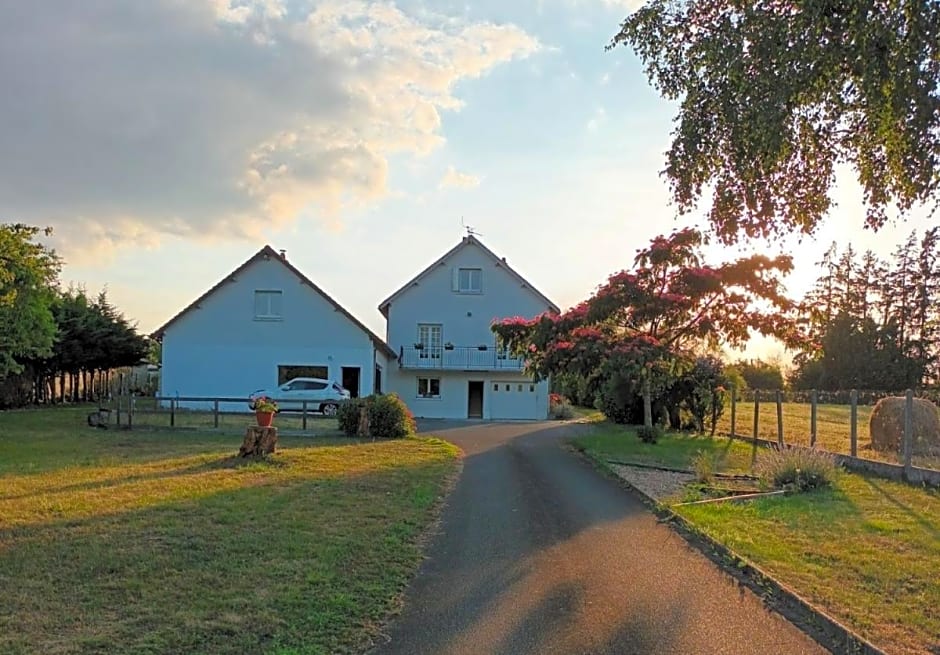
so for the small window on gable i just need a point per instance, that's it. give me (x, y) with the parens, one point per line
(469, 280)
(268, 305)
(532, 388)
(507, 387)
(495, 387)
(520, 388)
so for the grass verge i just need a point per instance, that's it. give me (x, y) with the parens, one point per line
(152, 543)
(864, 551)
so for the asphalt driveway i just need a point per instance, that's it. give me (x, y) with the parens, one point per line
(538, 553)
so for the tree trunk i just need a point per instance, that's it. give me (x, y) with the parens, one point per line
(62, 387)
(647, 404)
(258, 441)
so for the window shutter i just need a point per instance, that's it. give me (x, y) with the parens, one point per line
(455, 279)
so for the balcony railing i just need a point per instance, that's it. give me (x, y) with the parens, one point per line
(458, 358)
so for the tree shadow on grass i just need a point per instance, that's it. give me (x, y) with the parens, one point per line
(309, 565)
(925, 522)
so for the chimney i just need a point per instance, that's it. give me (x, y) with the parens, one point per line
(283, 253)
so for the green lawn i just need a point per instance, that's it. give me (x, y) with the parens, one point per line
(833, 428)
(143, 542)
(675, 450)
(867, 550)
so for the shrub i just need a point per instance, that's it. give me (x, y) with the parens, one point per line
(796, 469)
(561, 411)
(347, 414)
(649, 435)
(704, 466)
(389, 417)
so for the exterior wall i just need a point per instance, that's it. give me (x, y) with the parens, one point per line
(220, 349)
(466, 318)
(453, 402)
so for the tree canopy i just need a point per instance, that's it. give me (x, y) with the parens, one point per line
(645, 324)
(776, 95)
(27, 272)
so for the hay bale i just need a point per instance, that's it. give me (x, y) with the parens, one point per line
(886, 425)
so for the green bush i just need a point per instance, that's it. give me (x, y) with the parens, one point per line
(562, 411)
(389, 417)
(796, 469)
(649, 435)
(347, 415)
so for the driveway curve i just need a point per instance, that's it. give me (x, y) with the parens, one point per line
(537, 553)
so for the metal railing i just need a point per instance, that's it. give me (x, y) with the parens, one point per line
(459, 358)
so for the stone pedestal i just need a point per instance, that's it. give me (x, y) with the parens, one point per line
(258, 442)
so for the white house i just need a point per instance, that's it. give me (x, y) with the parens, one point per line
(263, 324)
(449, 364)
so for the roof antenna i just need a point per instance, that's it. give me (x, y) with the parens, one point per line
(471, 231)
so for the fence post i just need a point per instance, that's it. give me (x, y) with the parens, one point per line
(172, 412)
(130, 412)
(121, 382)
(734, 397)
(908, 444)
(853, 397)
(812, 418)
(756, 411)
(215, 413)
(303, 420)
(779, 417)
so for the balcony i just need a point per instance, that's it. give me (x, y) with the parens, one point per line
(458, 358)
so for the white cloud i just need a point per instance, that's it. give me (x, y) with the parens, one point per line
(127, 121)
(454, 178)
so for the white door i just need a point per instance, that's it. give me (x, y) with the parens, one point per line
(518, 399)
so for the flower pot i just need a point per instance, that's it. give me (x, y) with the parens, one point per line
(265, 419)
(448, 346)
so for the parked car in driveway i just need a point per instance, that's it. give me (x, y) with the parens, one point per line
(321, 395)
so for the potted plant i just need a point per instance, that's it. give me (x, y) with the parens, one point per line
(482, 347)
(419, 346)
(448, 346)
(264, 409)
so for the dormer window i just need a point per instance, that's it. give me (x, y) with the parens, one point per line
(469, 280)
(268, 305)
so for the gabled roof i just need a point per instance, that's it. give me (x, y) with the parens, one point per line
(269, 253)
(468, 240)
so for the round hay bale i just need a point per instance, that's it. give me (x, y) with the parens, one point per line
(886, 425)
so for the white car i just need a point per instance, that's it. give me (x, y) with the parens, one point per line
(321, 395)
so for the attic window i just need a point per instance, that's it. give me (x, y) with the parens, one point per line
(468, 280)
(268, 305)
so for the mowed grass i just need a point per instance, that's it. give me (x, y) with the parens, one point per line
(674, 450)
(127, 542)
(867, 551)
(833, 428)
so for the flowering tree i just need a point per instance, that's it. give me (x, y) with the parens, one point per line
(644, 324)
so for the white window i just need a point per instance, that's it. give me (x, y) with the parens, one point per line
(470, 280)
(429, 388)
(429, 340)
(268, 306)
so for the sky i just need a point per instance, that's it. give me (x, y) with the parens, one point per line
(167, 141)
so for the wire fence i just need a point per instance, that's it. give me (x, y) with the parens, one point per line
(813, 419)
(218, 414)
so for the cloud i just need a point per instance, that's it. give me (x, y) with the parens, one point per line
(454, 178)
(221, 118)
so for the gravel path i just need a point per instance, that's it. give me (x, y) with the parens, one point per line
(658, 484)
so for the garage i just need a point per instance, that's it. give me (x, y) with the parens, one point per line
(515, 399)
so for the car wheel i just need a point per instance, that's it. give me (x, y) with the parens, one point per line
(329, 409)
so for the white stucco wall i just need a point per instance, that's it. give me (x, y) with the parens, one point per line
(220, 349)
(453, 402)
(466, 321)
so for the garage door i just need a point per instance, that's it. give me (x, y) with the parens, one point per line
(514, 400)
